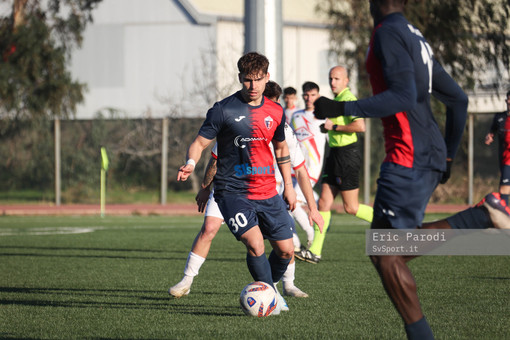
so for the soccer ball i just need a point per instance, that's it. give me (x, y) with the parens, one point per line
(258, 299)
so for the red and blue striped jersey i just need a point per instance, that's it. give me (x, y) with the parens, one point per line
(501, 127)
(403, 75)
(245, 163)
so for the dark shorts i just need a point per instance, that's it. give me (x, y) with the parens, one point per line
(343, 167)
(271, 215)
(505, 175)
(402, 196)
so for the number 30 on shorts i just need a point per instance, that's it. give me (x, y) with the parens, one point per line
(239, 221)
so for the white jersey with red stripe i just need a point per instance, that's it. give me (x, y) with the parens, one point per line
(297, 159)
(311, 140)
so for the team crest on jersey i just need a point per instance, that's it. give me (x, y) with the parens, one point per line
(269, 122)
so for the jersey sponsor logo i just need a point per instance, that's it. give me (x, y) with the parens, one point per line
(241, 141)
(303, 134)
(247, 169)
(238, 119)
(269, 122)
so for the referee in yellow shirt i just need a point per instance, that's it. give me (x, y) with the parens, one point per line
(342, 165)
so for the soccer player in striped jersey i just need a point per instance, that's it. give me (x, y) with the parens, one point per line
(245, 187)
(404, 74)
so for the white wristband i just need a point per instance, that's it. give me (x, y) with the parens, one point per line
(191, 162)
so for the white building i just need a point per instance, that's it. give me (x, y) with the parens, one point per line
(176, 57)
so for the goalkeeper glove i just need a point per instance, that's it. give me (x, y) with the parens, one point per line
(327, 108)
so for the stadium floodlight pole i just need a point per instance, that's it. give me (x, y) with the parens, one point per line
(104, 168)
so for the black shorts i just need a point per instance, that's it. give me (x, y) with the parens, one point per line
(342, 167)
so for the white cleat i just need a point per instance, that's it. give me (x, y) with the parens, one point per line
(294, 291)
(281, 302)
(180, 289)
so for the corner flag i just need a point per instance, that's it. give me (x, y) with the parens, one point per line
(104, 159)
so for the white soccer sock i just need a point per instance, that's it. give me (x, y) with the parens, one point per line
(296, 241)
(193, 264)
(289, 275)
(301, 218)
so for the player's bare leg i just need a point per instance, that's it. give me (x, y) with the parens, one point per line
(398, 280)
(350, 201)
(352, 206)
(399, 285)
(328, 194)
(203, 241)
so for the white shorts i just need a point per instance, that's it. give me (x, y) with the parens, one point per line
(212, 208)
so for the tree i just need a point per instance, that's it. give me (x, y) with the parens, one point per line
(468, 37)
(36, 39)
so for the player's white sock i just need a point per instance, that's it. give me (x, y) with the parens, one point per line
(191, 269)
(301, 218)
(193, 265)
(289, 289)
(289, 275)
(296, 241)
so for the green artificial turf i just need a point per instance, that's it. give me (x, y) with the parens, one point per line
(94, 278)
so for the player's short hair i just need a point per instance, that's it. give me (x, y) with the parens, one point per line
(253, 63)
(508, 94)
(289, 90)
(310, 85)
(272, 91)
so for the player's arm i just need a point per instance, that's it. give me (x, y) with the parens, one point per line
(205, 190)
(400, 97)
(281, 152)
(489, 138)
(357, 125)
(400, 94)
(306, 187)
(193, 156)
(451, 95)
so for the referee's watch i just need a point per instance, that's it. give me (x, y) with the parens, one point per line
(334, 127)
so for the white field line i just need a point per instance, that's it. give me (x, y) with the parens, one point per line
(70, 230)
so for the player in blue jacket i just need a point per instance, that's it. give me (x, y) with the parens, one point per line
(403, 74)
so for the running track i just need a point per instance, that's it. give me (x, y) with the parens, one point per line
(171, 209)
